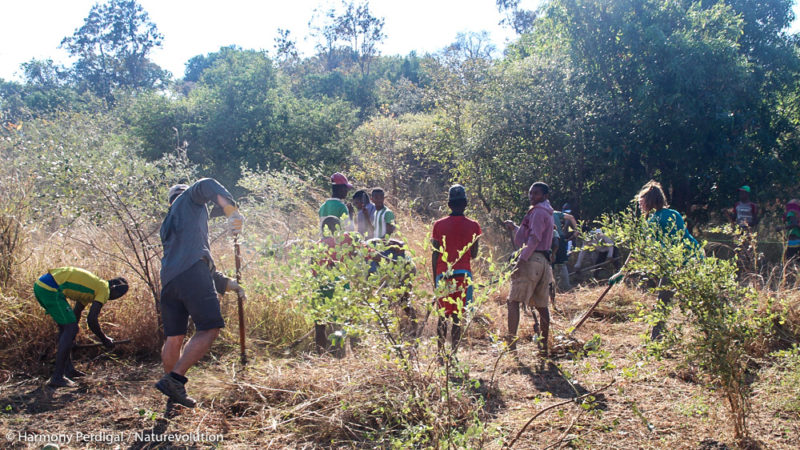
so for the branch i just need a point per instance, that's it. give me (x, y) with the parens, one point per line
(576, 399)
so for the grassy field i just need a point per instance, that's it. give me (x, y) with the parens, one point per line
(287, 396)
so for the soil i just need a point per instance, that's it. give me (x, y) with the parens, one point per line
(650, 403)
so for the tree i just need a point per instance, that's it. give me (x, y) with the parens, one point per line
(354, 33)
(112, 48)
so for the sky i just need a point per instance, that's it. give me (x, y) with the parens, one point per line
(34, 28)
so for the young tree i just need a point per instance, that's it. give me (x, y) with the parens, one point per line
(112, 48)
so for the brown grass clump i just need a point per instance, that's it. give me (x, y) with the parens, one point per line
(336, 402)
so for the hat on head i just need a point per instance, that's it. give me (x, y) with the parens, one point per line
(117, 287)
(745, 188)
(566, 208)
(339, 178)
(456, 192)
(175, 191)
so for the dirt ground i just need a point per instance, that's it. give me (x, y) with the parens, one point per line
(280, 402)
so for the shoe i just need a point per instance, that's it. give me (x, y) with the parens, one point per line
(75, 373)
(61, 382)
(175, 390)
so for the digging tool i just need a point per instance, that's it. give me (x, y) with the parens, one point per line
(99, 344)
(239, 300)
(611, 282)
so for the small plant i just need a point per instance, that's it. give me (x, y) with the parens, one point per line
(725, 317)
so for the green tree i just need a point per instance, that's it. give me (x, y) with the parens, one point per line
(112, 49)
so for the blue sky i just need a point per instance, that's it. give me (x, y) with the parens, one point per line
(34, 28)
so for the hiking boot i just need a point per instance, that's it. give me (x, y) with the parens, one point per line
(75, 373)
(60, 382)
(175, 390)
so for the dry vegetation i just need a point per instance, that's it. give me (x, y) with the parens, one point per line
(293, 398)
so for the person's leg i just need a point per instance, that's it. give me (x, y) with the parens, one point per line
(455, 333)
(65, 340)
(320, 337)
(544, 317)
(171, 352)
(195, 349)
(662, 307)
(513, 323)
(563, 277)
(441, 333)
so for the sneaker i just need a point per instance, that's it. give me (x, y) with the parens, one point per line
(175, 390)
(61, 382)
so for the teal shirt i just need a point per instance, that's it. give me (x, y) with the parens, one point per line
(671, 223)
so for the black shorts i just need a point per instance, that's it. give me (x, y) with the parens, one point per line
(190, 294)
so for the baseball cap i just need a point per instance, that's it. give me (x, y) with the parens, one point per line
(175, 191)
(745, 188)
(339, 178)
(456, 192)
(566, 208)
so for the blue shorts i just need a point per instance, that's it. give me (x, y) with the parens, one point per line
(191, 294)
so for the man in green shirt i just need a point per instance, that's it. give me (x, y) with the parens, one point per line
(52, 291)
(335, 206)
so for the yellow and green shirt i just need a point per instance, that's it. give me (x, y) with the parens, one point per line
(78, 284)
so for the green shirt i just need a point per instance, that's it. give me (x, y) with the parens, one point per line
(334, 207)
(80, 285)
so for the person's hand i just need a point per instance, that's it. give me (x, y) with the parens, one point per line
(108, 343)
(235, 223)
(509, 225)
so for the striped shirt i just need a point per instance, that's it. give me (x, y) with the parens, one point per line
(379, 220)
(76, 284)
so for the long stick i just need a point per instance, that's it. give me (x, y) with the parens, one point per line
(565, 402)
(611, 282)
(98, 344)
(238, 259)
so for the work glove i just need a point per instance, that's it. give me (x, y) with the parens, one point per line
(235, 219)
(108, 343)
(236, 287)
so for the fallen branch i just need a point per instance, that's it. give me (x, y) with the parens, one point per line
(573, 400)
(98, 344)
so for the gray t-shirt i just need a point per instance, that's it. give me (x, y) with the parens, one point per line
(184, 232)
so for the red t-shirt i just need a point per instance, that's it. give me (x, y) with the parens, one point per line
(455, 233)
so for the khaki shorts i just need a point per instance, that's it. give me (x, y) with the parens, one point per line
(530, 283)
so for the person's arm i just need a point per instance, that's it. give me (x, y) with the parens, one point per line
(755, 215)
(573, 225)
(389, 218)
(223, 284)
(435, 255)
(94, 325)
(474, 250)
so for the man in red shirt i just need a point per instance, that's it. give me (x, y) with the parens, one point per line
(455, 243)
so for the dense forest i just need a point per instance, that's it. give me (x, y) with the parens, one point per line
(594, 97)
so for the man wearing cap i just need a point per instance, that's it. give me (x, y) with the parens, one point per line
(189, 281)
(745, 212)
(52, 291)
(335, 206)
(532, 274)
(455, 238)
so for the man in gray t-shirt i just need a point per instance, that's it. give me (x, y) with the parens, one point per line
(188, 279)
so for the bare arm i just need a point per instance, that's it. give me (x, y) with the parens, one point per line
(435, 255)
(94, 324)
(474, 249)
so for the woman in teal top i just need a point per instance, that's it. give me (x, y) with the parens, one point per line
(652, 201)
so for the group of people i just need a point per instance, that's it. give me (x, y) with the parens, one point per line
(191, 283)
